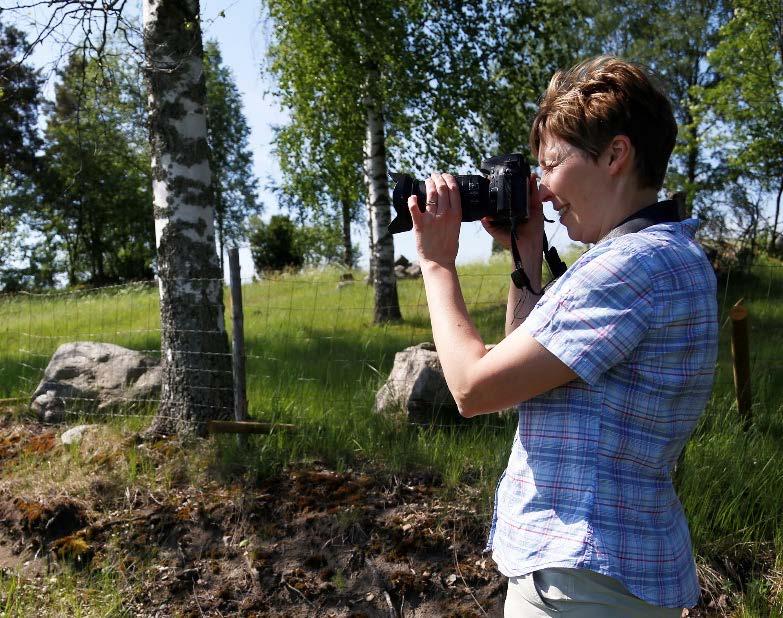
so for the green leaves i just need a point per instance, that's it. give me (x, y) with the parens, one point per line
(747, 101)
(231, 161)
(95, 205)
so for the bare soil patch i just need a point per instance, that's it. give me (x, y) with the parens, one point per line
(311, 542)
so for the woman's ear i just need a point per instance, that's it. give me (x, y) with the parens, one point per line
(620, 154)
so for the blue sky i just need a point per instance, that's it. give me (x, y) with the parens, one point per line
(242, 38)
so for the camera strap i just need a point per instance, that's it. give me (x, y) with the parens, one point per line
(666, 211)
(556, 266)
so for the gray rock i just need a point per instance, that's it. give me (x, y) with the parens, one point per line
(413, 271)
(416, 388)
(408, 271)
(402, 261)
(75, 434)
(94, 377)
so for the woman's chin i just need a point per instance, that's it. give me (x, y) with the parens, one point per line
(573, 233)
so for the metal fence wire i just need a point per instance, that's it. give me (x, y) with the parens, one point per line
(310, 346)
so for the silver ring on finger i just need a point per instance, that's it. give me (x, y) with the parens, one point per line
(432, 203)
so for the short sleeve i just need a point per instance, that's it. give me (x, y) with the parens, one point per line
(596, 317)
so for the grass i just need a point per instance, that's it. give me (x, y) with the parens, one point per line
(315, 359)
(71, 593)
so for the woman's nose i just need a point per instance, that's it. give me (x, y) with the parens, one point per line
(544, 194)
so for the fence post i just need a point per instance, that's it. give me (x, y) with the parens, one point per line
(740, 353)
(238, 347)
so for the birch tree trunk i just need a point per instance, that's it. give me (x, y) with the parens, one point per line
(387, 306)
(347, 243)
(195, 356)
(774, 235)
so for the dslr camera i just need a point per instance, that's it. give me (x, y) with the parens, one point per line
(502, 193)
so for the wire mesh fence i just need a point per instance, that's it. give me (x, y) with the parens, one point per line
(311, 348)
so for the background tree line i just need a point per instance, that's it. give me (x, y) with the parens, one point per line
(76, 195)
(452, 81)
(371, 85)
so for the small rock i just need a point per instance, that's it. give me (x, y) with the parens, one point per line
(413, 271)
(74, 434)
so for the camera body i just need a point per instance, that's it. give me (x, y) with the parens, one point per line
(503, 193)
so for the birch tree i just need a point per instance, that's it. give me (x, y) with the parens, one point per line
(337, 63)
(194, 347)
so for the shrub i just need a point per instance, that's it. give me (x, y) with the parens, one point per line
(273, 245)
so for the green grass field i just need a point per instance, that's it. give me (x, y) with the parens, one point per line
(316, 360)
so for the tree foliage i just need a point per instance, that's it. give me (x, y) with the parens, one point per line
(748, 103)
(231, 161)
(521, 45)
(673, 38)
(283, 244)
(19, 102)
(95, 194)
(274, 246)
(19, 141)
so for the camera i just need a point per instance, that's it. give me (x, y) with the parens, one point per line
(503, 193)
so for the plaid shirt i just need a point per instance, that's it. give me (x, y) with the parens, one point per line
(588, 484)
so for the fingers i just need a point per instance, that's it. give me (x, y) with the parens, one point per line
(442, 189)
(413, 207)
(454, 196)
(442, 194)
(435, 203)
(539, 193)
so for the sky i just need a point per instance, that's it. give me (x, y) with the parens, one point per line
(241, 35)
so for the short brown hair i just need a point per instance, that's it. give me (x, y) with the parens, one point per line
(601, 98)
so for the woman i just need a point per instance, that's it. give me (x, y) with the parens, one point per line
(610, 367)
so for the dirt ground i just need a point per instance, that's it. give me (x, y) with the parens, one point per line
(312, 542)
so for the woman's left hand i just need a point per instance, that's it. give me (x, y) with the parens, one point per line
(437, 228)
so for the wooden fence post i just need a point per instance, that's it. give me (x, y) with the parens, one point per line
(238, 348)
(740, 353)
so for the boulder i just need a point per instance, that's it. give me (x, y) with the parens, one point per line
(94, 377)
(402, 261)
(411, 271)
(416, 388)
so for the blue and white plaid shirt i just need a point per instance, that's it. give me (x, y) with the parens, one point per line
(588, 484)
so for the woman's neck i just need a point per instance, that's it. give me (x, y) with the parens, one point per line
(623, 203)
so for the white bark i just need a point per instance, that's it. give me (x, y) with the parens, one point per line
(194, 345)
(387, 307)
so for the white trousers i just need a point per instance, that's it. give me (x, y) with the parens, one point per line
(576, 593)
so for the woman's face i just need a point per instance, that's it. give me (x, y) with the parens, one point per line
(574, 183)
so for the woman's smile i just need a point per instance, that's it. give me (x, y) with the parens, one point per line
(563, 209)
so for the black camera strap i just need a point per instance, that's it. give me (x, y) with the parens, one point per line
(556, 266)
(667, 211)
